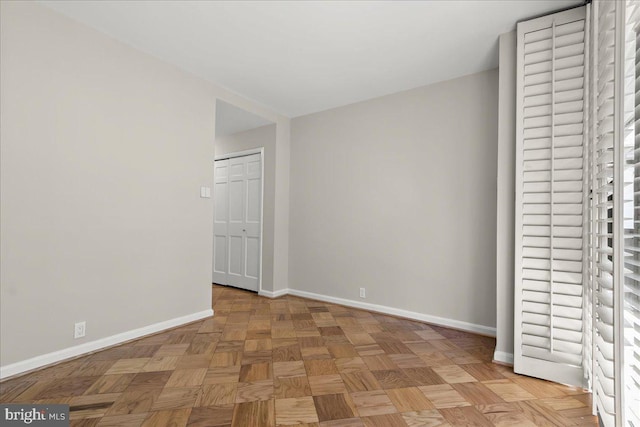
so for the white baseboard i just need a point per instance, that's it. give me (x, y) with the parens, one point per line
(78, 350)
(441, 321)
(503, 357)
(274, 294)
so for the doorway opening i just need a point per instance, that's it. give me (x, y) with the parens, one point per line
(242, 212)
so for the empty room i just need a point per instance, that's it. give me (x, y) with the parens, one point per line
(320, 213)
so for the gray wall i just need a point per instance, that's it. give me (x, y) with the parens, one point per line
(264, 136)
(103, 152)
(506, 198)
(398, 195)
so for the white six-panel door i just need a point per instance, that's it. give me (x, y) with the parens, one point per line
(237, 221)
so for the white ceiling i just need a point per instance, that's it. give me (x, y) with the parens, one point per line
(231, 119)
(299, 57)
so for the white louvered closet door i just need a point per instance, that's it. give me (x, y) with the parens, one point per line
(616, 225)
(550, 197)
(630, 292)
(632, 210)
(605, 206)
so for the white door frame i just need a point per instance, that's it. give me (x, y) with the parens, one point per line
(243, 154)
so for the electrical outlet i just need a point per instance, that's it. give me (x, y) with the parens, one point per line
(79, 329)
(362, 293)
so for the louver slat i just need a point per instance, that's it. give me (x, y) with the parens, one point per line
(603, 253)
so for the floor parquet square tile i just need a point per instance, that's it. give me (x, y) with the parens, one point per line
(560, 403)
(176, 398)
(149, 380)
(409, 399)
(330, 330)
(539, 388)
(405, 361)
(334, 406)
(221, 375)
(93, 368)
(379, 362)
(508, 390)
(13, 388)
(424, 376)
(287, 352)
(211, 416)
(477, 393)
(234, 334)
(395, 348)
(386, 420)
(177, 417)
(394, 378)
(134, 402)
(255, 413)
(483, 371)
(350, 364)
(312, 341)
(327, 384)
(461, 357)
(435, 359)
(171, 350)
(91, 406)
(286, 387)
(369, 350)
(70, 386)
(142, 351)
(509, 419)
(129, 420)
(297, 410)
(539, 414)
(443, 396)
(259, 356)
(360, 381)
(255, 372)
(320, 367)
(349, 422)
(193, 361)
(258, 390)
(424, 418)
(161, 363)
(370, 403)
(289, 369)
(225, 359)
(465, 416)
(421, 347)
(311, 353)
(258, 334)
(84, 422)
(257, 345)
(230, 346)
(338, 351)
(217, 394)
(111, 384)
(453, 374)
(283, 333)
(128, 366)
(186, 377)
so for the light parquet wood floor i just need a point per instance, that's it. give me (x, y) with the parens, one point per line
(291, 361)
